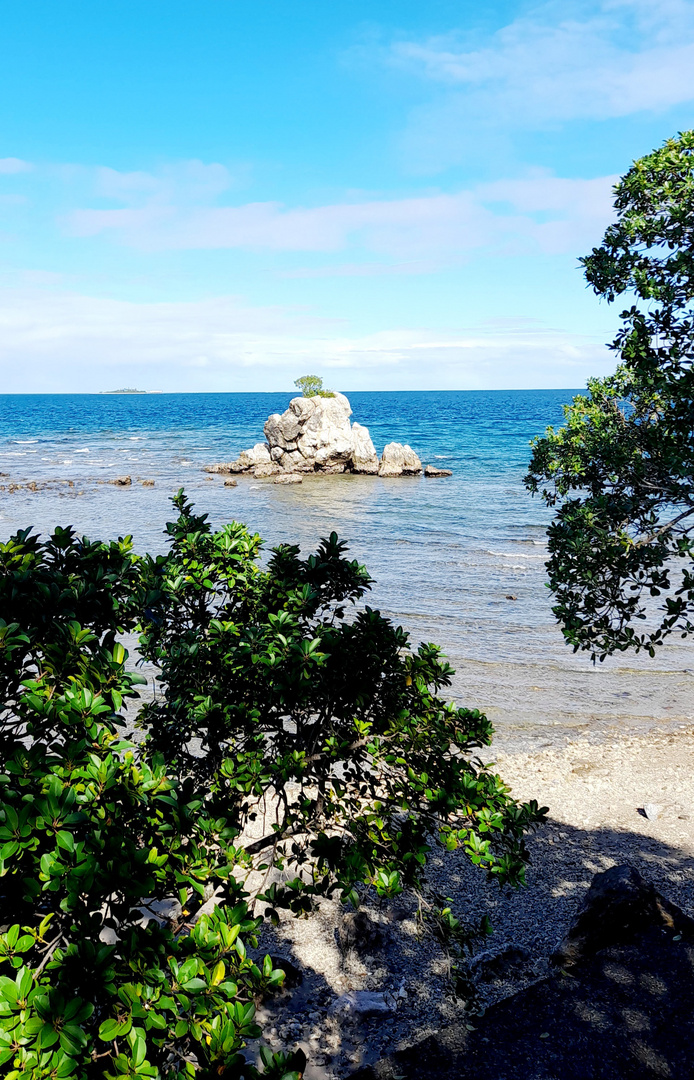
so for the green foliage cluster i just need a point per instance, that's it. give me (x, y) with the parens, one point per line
(620, 473)
(93, 833)
(130, 890)
(312, 386)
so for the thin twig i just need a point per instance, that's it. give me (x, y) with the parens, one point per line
(48, 954)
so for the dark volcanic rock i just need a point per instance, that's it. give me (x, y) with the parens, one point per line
(513, 961)
(358, 931)
(618, 907)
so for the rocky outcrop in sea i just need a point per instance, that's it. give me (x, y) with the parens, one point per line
(315, 435)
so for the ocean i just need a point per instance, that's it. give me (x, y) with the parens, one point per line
(446, 553)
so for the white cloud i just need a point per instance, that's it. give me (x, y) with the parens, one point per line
(539, 213)
(558, 64)
(62, 341)
(184, 181)
(11, 165)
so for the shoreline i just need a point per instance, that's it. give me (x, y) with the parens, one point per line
(447, 583)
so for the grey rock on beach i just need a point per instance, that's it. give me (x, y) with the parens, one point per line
(315, 435)
(361, 1003)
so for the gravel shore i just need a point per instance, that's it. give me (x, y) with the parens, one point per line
(596, 791)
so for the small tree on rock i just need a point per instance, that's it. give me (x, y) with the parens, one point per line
(312, 386)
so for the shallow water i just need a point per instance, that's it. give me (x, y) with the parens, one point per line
(445, 553)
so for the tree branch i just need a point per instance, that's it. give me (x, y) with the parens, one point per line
(664, 528)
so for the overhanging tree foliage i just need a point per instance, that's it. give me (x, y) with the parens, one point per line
(620, 473)
(130, 882)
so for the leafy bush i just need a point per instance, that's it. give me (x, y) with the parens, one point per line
(93, 837)
(312, 386)
(130, 885)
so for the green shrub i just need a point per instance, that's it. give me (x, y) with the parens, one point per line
(312, 386)
(129, 888)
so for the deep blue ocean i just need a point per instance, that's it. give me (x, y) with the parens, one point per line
(445, 553)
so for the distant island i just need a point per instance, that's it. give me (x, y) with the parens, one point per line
(129, 390)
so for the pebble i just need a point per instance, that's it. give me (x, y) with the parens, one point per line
(652, 811)
(361, 1003)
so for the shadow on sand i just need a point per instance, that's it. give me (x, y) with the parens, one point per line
(625, 1015)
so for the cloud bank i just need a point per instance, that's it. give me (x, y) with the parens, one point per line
(56, 341)
(535, 214)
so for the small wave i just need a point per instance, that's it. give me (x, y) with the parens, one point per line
(85, 451)
(513, 554)
(24, 442)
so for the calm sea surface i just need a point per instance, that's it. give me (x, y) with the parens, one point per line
(445, 553)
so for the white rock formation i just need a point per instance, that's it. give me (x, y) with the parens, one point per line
(248, 459)
(315, 435)
(433, 470)
(364, 458)
(399, 460)
(270, 468)
(326, 436)
(288, 478)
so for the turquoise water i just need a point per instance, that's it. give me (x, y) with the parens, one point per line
(445, 553)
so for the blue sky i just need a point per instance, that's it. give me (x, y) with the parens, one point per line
(225, 195)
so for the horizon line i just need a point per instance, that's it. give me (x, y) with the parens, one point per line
(163, 393)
